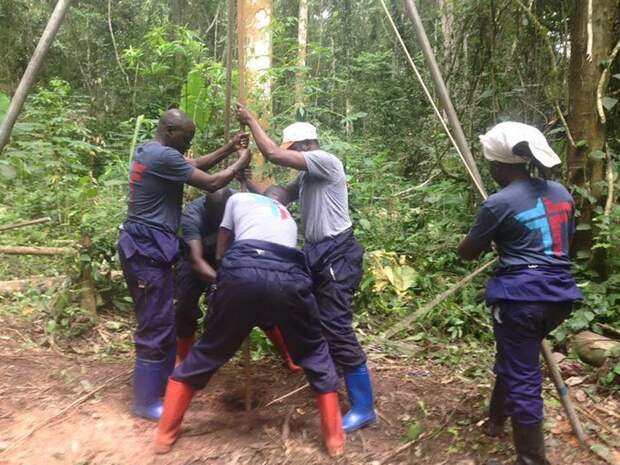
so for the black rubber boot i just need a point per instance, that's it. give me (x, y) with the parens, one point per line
(494, 426)
(529, 443)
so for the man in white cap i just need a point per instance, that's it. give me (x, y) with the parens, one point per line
(531, 221)
(332, 253)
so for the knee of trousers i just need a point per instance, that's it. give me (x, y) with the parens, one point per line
(524, 409)
(346, 354)
(323, 381)
(155, 338)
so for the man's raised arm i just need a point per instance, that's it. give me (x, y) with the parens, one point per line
(213, 182)
(270, 150)
(239, 141)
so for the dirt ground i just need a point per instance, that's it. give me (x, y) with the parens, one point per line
(39, 424)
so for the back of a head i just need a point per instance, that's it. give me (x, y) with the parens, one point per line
(173, 118)
(278, 193)
(215, 203)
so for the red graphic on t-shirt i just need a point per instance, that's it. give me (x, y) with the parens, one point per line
(137, 169)
(558, 215)
(284, 214)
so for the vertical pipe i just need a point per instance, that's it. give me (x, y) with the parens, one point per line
(442, 90)
(45, 42)
(229, 52)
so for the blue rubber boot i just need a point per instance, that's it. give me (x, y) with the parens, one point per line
(359, 388)
(147, 388)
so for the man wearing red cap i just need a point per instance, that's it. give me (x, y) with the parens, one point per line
(332, 252)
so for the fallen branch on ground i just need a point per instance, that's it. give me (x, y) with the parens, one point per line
(20, 285)
(301, 388)
(17, 250)
(73, 404)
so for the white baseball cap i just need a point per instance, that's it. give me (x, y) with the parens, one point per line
(297, 132)
(497, 144)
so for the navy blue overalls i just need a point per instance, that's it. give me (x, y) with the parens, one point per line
(258, 283)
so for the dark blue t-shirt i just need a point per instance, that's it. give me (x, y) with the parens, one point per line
(194, 225)
(158, 174)
(532, 224)
(530, 221)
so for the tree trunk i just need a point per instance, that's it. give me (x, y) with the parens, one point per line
(177, 10)
(256, 20)
(302, 40)
(447, 29)
(586, 168)
(255, 52)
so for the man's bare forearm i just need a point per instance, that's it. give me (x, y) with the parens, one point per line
(264, 143)
(207, 161)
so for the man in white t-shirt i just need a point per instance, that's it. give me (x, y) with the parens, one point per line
(262, 278)
(332, 253)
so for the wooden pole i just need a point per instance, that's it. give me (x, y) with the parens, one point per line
(562, 389)
(229, 56)
(241, 25)
(24, 224)
(442, 90)
(45, 42)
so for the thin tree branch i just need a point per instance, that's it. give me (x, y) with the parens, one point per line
(602, 83)
(118, 58)
(569, 135)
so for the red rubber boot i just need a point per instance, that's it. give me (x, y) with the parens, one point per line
(176, 402)
(331, 423)
(183, 346)
(275, 336)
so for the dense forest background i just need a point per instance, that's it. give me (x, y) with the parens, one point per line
(117, 64)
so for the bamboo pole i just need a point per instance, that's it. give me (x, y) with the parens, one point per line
(24, 224)
(17, 250)
(45, 42)
(442, 90)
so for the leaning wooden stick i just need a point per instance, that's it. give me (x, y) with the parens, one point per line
(24, 224)
(436, 301)
(563, 392)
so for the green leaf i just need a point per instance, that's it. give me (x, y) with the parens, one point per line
(597, 155)
(414, 430)
(7, 171)
(609, 102)
(617, 76)
(583, 254)
(4, 104)
(583, 227)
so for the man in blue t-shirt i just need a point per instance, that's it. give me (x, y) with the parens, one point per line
(148, 244)
(195, 272)
(531, 222)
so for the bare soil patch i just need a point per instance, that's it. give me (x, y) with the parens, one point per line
(36, 383)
